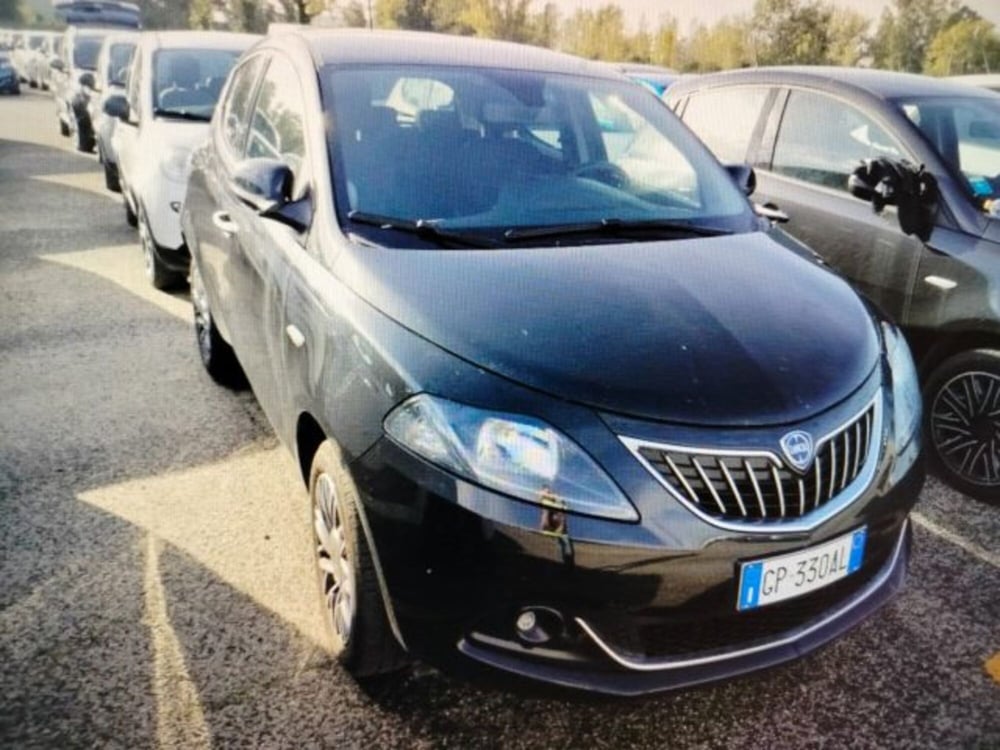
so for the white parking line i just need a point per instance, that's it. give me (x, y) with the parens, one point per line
(950, 536)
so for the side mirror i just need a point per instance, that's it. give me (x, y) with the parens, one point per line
(87, 80)
(117, 106)
(744, 177)
(56, 63)
(887, 182)
(266, 186)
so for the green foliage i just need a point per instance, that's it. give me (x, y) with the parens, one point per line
(966, 46)
(354, 14)
(11, 11)
(597, 34)
(720, 47)
(906, 30)
(790, 32)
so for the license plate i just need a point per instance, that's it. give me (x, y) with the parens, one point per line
(775, 579)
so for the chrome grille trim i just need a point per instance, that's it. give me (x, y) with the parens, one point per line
(723, 479)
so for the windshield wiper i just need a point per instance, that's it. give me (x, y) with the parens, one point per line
(180, 114)
(613, 227)
(426, 228)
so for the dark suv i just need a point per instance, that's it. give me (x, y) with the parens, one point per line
(828, 144)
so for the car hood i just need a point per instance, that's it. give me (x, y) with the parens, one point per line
(734, 330)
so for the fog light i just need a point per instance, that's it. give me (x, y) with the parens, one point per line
(538, 625)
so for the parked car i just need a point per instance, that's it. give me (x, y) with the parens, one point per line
(74, 71)
(73, 80)
(828, 144)
(19, 55)
(550, 418)
(9, 83)
(173, 85)
(33, 57)
(112, 71)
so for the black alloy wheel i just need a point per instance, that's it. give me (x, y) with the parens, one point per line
(356, 621)
(962, 403)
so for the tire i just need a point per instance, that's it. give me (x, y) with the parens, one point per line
(63, 129)
(216, 354)
(353, 610)
(111, 181)
(158, 274)
(84, 141)
(130, 218)
(962, 423)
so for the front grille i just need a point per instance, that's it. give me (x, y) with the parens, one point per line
(758, 485)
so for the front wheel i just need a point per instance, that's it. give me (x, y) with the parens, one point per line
(63, 129)
(962, 404)
(353, 609)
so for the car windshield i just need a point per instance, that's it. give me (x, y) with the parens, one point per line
(119, 57)
(519, 154)
(965, 131)
(85, 51)
(187, 82)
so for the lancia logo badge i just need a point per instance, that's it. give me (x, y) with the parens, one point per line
(798, 449)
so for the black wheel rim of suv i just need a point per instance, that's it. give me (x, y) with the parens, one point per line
(965, 427)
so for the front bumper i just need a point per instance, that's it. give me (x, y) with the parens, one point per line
(639, 608)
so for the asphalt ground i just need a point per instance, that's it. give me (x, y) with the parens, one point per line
(155, 575)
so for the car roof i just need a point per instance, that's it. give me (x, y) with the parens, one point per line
(884, 84)
(198, 39)
(359, 46)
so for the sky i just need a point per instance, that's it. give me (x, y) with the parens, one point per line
(708, 12)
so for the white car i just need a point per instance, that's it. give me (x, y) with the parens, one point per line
(174, 82)
(109, 80)
(989, 81)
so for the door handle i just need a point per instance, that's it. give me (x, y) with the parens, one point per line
(222, 221)
(295, 336)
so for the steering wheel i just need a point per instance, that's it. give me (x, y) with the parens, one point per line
(603, 171)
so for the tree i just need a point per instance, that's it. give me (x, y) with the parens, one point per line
(967, 46)
(597, 34)
(725, 45)
(11, 11)
(500, 19)
(850, 41)
(790, 32)
(405, 14)
(200, 14)
(905, 31)
(354, 14)
(665, 48)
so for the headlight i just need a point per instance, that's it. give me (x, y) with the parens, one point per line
(906, 399)
(175, 164)
(517, 455)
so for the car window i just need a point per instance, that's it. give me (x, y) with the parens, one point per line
(725, 119)
(494, 151)
(85, 51)
(822, 140)
(965, 131)
(236, 107)
(277, 128)
(119, 57)
(189, 81)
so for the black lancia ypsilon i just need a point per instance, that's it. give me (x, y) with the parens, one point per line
(566, 405)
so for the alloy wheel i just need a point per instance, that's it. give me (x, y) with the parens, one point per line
(336, 567)
(965, 427)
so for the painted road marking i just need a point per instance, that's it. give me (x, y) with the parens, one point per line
(993, 667)
(972, 548)
(180, 718)
(123, 266)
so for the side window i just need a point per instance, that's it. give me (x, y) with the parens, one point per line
(725, 120)
(236, 108)
(822, 140)
(277, 128)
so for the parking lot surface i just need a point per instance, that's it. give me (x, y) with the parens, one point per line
(154, 550)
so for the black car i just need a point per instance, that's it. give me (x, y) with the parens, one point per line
(828, 144)
(565, 405)
(9, 83)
